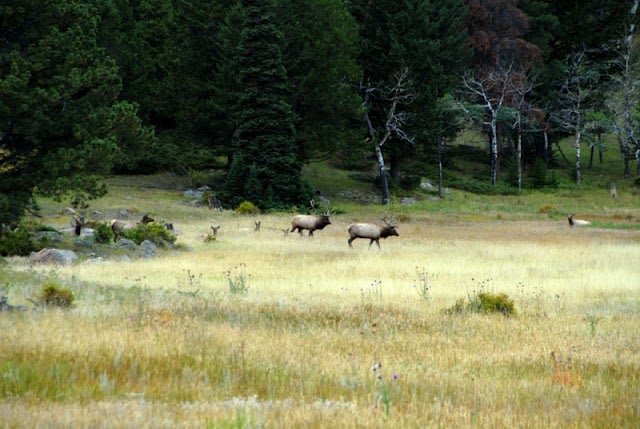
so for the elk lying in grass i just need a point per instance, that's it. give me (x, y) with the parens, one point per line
(371, 231)
(118, 227)
(310, 222)
(577, 222)
(212, 235)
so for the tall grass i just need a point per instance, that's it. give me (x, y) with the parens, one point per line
(325, 335)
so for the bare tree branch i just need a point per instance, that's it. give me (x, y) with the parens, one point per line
(396, 120)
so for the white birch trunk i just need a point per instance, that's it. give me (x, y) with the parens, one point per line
(384, 183)
(519, 151)
(494, 146)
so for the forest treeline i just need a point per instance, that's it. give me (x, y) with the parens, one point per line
(95, 87)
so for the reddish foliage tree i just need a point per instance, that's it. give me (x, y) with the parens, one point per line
(496, 33)
(502, 60)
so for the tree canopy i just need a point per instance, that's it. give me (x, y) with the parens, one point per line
(96, 87)
(61, 123)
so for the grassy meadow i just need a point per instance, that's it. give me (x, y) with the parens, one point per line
(267, 329)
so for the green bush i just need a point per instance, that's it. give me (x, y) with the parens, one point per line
(55, 296)
(154, 232)
(32, 226)
(247, 207)
(19, 242)
(496, 303)
(198, 178)
(103, 233)
(484, 302)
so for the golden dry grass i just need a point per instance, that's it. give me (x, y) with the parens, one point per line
(162, 342)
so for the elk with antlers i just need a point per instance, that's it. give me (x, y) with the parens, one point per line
(311, 222)
(372, 231)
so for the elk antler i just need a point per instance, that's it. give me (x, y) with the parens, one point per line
(389, 220)
(326, 206)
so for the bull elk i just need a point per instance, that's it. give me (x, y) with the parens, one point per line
(372, 231)
(310, 222)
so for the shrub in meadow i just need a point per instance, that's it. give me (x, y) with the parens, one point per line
(247, 208)
(496, 303)
(484, 302)
(103, 233)
(154, 232)
(54, 295)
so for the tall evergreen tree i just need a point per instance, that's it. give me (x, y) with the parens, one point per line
(225, 79)
(321, 61)
(265, 167)
(61, 123)
(319, 55)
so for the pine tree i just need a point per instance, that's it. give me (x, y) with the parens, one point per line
(265, 170)
(61, 123)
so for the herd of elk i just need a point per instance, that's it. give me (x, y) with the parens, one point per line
(311, 223)
(315, 222)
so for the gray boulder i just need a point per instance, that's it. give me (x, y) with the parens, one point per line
(53, 256)
(148, 248)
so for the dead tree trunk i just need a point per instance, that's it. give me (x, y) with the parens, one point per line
(547, 151)
(494, 145)
(578, 157)
(384, 182)
(440, 149)
(519, 150)
(395, 122)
